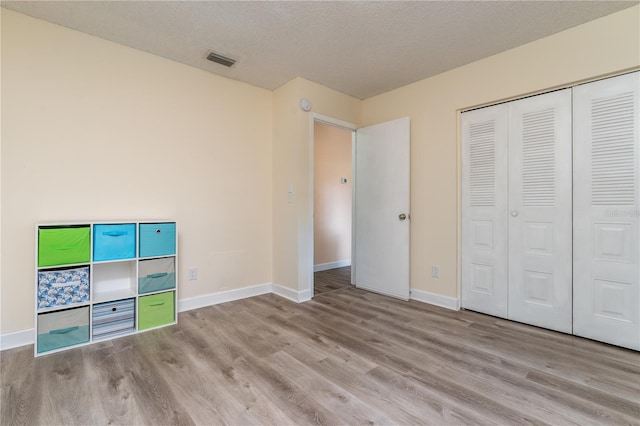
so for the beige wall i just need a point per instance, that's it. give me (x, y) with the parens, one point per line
(598, 48)
(95, 130)
(331, 198)
(92, 130)
(292, 127)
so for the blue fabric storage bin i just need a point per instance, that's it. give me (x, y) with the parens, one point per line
(157, 239)
(156, 274)
(60, 287)
(63, 328)
(112, 319)
(113, 242)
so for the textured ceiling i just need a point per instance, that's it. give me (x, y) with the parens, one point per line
(359, 48)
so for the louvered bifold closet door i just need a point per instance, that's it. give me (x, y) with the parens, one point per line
(540, 213)
(484, 210)
(606, 205)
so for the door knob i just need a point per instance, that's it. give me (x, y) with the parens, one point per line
(402, 216)
(514, 213)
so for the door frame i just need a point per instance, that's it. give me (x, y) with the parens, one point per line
(325, 119)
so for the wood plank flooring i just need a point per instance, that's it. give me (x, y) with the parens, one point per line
(331, 280)
(347, 357)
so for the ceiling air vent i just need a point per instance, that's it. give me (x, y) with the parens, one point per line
(222, 60)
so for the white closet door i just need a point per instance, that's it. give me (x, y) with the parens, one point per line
(606, 204)
(540, 211)
(484, 210)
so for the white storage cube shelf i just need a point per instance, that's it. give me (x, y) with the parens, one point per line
(61, 289)
(114, 281)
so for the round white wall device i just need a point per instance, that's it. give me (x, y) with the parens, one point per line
(305, 104)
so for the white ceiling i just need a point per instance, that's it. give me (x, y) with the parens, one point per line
(360, 48)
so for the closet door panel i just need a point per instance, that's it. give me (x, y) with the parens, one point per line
(484, 210)
(540, 212)
(606, 204)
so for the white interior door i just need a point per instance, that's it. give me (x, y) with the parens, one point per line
(607, 211)
(484, 210)
(540, 211)
(382, 208)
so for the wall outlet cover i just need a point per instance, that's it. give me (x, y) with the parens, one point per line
(193, 274)
(435, 271)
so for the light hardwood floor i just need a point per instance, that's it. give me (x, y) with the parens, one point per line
(348, 357)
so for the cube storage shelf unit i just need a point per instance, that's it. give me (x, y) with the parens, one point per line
(98, 280)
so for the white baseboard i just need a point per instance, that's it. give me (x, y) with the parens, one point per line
(293, 295)
(304, 296)
(435, 299)
(16, 339)
(222, 297)
(331, 265)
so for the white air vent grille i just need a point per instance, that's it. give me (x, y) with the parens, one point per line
(538, 158)
(482, 164)
(612, 150)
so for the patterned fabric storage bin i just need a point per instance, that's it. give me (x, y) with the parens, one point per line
(157, 239)
(61, 287)
(114, 318)
(63, 328)
(112, 242)
(156, 274)
(156, 310)
(64, 245)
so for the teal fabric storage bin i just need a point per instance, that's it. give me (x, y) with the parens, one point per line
(63, 328)
(157, 239)
(156, 274)
(114, 241)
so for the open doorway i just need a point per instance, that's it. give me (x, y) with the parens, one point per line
(380, 215)
(332, 213)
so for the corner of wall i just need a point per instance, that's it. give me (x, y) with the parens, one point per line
(292, 223)
(293, 295)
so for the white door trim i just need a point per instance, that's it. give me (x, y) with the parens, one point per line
(332, 122)
(325, 119)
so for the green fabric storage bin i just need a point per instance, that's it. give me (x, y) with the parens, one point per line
(156, 310)
(60, 329)
(64, 245)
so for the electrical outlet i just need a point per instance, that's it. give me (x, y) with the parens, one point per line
(435, 271)
(193, 274)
